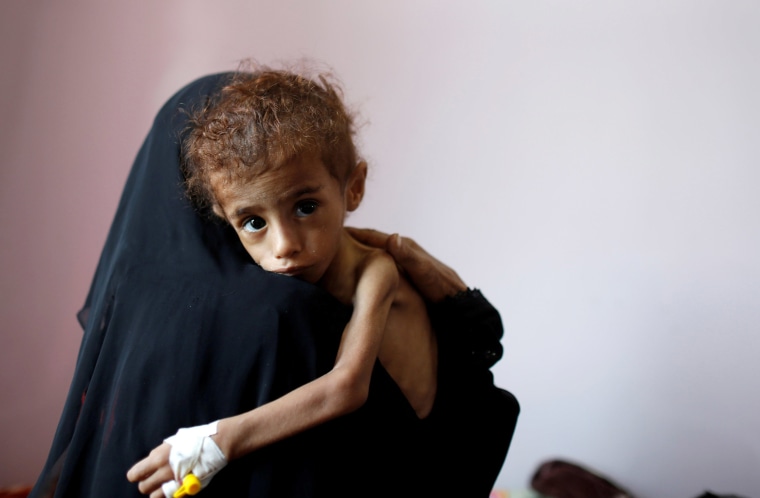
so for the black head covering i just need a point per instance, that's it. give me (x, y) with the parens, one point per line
(181, 328)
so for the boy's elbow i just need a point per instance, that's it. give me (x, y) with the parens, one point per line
(350, 393)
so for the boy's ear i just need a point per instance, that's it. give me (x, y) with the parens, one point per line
(355, 186)
(218, 211)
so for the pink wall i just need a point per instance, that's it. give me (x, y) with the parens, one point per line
(591, 166)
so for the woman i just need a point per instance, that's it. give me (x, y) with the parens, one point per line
(180, 329)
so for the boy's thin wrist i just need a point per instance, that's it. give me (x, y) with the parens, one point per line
(222, 439)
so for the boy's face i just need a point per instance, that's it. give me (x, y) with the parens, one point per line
(290, 219)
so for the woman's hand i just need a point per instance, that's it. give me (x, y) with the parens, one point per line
(433, 279)
(152, 471)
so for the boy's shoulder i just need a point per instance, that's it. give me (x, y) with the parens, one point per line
(359, 265)
(379, 271)
(375, 263)
(380, 267)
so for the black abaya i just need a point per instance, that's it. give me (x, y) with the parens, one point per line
(181, 329)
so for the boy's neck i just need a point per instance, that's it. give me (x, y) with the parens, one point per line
(341, 277)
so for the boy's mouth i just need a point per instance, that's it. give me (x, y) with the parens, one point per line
(290, 271)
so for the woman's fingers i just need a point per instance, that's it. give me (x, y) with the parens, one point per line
(374, 238)
(432, 278)
(401, 248)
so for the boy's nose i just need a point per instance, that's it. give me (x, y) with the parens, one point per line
(287, 243)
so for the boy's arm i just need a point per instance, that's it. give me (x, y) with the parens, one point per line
(340, 391)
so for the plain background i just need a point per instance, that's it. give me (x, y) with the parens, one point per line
(592, 166)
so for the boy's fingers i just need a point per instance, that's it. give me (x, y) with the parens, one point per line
(148, 465)
(138, 471)
(152, 471)
(156, 480)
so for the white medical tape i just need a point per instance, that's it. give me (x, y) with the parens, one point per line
(194, 451)
(169, 488)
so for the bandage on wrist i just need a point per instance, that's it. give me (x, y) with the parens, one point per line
(193, 451)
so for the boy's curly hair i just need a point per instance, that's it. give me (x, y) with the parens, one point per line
(261, 120)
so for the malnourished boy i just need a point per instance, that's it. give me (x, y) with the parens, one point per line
(274, 157)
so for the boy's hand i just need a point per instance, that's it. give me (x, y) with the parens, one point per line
(433, 279)
(152, 471)
(190, 450)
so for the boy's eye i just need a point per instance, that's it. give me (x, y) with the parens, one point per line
(305, 208)
(254, 224)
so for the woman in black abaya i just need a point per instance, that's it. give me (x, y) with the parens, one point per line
(181, 328)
